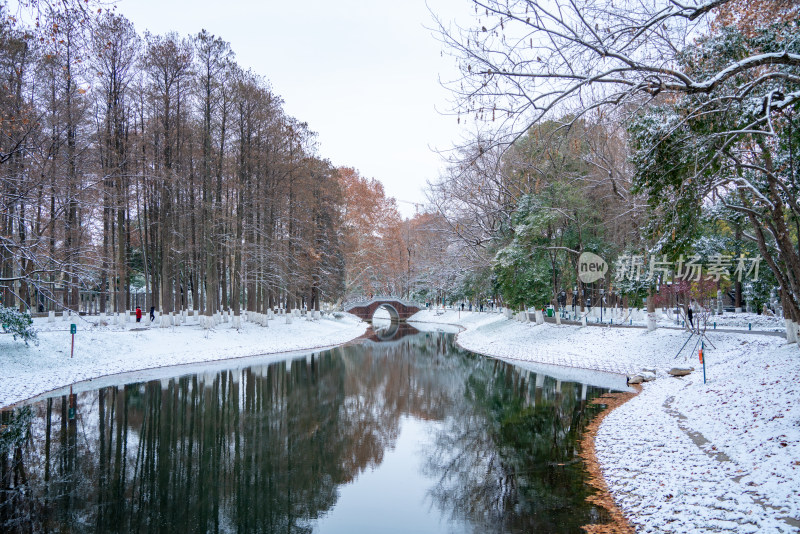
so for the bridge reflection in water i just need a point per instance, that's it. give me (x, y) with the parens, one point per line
(308, 445)
(386, 330)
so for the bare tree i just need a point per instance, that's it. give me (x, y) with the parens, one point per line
(722, 97)
(168, 62)
(115, 47)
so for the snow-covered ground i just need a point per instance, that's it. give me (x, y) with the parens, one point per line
(102, 350)
(682, 456)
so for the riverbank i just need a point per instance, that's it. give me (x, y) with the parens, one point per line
(102, 350)
(682, 456)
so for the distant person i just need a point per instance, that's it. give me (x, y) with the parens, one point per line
(689, 315)
(462, 306)
(152, 313)
(138, 314)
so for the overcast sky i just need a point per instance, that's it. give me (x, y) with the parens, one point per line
(364, 74)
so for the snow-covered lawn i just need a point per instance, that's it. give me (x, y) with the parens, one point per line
(104, 350)
(682, 456)
(664, 318)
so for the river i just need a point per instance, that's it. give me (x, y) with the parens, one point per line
(403, 432)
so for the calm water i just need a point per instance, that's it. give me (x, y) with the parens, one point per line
(408, 435)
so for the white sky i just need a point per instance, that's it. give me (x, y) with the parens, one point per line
(364, 74)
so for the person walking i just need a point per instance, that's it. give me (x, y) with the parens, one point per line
(138, 314)
(152, 313)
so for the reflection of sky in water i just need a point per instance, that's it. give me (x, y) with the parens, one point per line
(381, 319)
(393, 494)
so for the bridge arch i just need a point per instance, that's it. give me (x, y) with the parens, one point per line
(394, 315)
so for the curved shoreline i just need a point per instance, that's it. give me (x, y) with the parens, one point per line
(31, 372)
(715, 450)
(619, 523)
(735, 451)
(603, 498)
(224, 362)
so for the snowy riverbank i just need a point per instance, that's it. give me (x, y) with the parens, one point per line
(682, 456)
(106, 350)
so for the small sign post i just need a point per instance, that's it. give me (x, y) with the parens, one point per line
(703, 360)
(73, 329)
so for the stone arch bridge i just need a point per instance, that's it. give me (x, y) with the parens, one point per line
(399, 309)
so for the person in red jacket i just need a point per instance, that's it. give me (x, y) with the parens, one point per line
(138, 314)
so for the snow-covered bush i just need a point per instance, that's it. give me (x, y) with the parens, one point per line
(17, 324)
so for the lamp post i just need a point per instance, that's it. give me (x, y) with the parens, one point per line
(602, 303)
(587, 294)
(494, 292)
(673, 300)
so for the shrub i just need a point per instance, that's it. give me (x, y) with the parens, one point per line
(18, 324)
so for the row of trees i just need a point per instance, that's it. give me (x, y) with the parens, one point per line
(622, 129)
(156, 162)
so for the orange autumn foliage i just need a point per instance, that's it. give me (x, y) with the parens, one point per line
(372, 237)
(750, 15)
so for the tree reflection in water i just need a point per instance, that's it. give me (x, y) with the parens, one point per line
(507, 459)
(265, 449)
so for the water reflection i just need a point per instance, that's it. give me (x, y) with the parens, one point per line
(507, 459)
(388, 331)
(271, 448)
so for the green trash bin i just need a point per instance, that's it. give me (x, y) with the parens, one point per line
(549, 312)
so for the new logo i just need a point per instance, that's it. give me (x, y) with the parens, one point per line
(591, 267)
